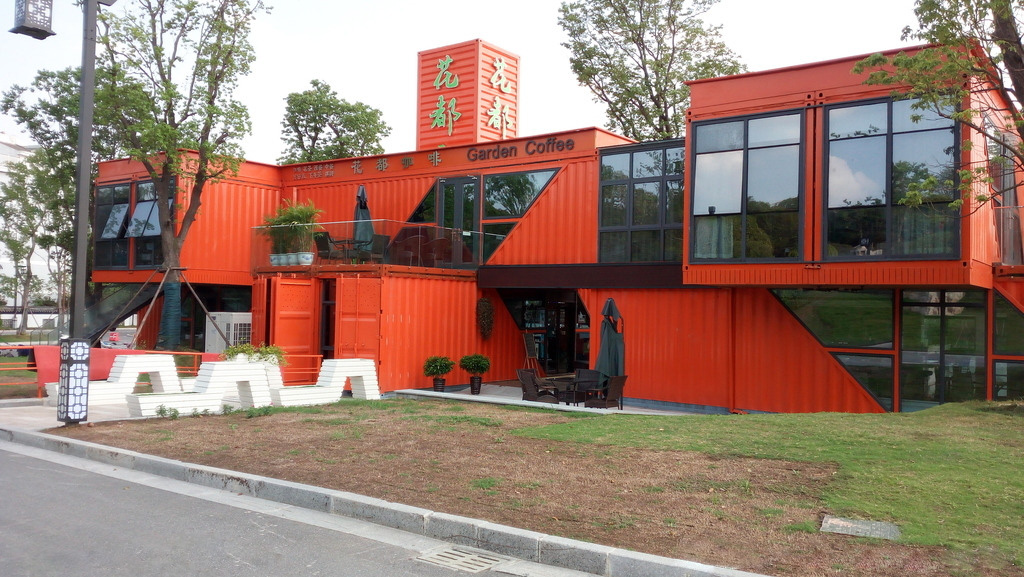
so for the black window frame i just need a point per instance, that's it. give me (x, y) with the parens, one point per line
(618, 243)
(891, 204)
(131, 248)
(796, 255)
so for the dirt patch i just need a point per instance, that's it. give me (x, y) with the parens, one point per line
(465, 459)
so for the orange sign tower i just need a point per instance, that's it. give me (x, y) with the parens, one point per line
(467, 93)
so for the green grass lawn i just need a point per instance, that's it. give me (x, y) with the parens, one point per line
(952, 475)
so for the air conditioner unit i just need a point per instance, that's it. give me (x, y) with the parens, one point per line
(237, 327)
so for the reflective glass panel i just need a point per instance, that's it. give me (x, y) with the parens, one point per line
(121, 193)
(509, 195)
(494, 235)
(145, 191)
(1009, 329)
(919, 155)
(874, 373)
(674, 158)
(645, 245)
(615, 166)
(856, 232)
(774, 130)
(904, 116)
(1008, 381)
(115, 221)
(855, 121)
(645, 203)
(718, 183)
(145, 220)
(613, 205)
(648, 163)
(925, 230)
(856, 172)
(854, 319)
(614, 247)
(773, 235)
(673, 202)
(673, 245)
(773, 179)
(716, 137)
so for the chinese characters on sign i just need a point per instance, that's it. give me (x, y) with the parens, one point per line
(308, 171)
(498, 79)
(499, 117)
(446, 113)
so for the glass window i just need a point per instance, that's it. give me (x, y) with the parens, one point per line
(145, 220)
(509, 195)
(873, 165)
(494, 234)
(1009, 329)
(874, 373)
(751, 169)
(615, 167)
(641, 203)
(118, 235)
(847, 319)
(1008, 381)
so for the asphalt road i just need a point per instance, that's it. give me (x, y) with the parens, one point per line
(63, 515)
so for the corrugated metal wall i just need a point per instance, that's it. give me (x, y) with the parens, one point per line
(728, 348)
(357, 316)
(561, 226)
(425, 316)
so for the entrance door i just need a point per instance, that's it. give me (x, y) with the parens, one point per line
(558, 323)
(457, 205)
(943, 348)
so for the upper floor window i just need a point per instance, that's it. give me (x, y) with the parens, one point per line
(641, 206)
(747, 190)
(127, 225)
(876, 153)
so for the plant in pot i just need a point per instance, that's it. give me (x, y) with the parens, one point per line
(438, 367)
(290, 230)
(475, 365)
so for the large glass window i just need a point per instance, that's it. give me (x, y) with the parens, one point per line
(641, 203)
(844, 319)
(509, 195)
(943, 348)
(747, 188)
(877, 153)
(127, 223)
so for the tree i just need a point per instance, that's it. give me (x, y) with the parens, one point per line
(171, 68)
(28, 224)
(971, 72)
(635, 56)
(318, 125)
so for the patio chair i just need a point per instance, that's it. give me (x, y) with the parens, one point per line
(613, 398)
(586, 384)
(325, 246)
(531, 387)
(379, 248)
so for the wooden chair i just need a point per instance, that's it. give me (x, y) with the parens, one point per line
(613, 397)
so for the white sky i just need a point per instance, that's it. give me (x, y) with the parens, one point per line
(367, 52)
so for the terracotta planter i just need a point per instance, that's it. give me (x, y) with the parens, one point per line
(474, 384)
(439, 384)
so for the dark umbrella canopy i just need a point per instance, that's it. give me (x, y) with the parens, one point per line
(363, 232)
(611, 357)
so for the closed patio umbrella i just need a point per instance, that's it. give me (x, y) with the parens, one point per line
(363, 233)
(611, 357)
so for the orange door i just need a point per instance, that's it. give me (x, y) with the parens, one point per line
(293, 325)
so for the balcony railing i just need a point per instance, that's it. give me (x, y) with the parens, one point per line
(369, 242)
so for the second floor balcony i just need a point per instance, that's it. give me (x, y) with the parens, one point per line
(346, 244)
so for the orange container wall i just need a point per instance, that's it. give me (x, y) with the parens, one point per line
(388, 198)
(561, 226)
(357, 316)
(506, 99)
(425, 316)
(728, 348)
(217, 249)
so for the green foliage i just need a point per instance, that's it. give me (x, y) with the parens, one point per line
(635, 56)
(291, 227)
(437, 366)
(977, 58)
(475, 364)
(485, 317)
(318, 125)
(261, 353)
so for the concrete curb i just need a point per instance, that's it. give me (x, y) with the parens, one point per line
(501, 539)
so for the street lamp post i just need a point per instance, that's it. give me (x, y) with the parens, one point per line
(32, 17)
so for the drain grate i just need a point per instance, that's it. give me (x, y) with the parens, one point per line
(468, 561)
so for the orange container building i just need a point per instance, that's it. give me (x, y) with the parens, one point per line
(764, 263)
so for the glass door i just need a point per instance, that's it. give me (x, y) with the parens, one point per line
(457, 204)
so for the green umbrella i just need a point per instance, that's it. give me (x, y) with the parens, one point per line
(363, 233)
(611, 357)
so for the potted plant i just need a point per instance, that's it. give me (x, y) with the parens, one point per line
(262, 353)
(475, 365)
(290, 230)
(438, 367)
